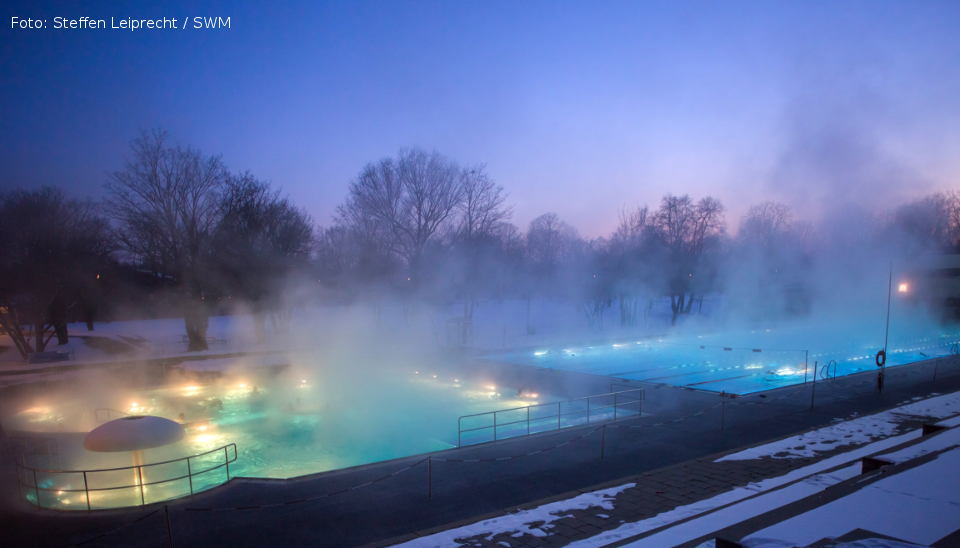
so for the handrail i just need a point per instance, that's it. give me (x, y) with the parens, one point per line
(557, 416)
(138, 468)
(551, 403)
(132, 466)
(825, 370)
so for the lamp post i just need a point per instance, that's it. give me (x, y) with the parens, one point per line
(902, 287)
(886, 333)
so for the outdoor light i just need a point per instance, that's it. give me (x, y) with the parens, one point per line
(903, 287)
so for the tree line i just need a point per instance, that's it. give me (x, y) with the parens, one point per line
(417, 224)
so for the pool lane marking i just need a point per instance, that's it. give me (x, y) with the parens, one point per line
(720, 380)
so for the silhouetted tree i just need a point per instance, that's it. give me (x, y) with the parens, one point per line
(166, 202)
(403, 203)
(51, 251)
(260, 240)
(482, 206)
(632, 263)
(768, 262)
(932, 221)
(690, 233)
(477, 250)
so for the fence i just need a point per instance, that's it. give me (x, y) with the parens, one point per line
(609, 440)
(545, 417)
(109, 488)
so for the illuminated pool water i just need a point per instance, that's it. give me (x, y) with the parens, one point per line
(754, 361)
(282, 427)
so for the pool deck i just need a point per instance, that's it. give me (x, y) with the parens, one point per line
(369, 505)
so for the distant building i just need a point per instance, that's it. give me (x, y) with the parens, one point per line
(936, 282)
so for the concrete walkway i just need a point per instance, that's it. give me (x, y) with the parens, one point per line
(688, 503)
(392, 501)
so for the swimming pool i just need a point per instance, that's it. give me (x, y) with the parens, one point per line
(739, 362)
(282, 426)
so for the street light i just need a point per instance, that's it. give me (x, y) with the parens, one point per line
(902, 287)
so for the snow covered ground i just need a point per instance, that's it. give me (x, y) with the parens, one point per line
(870, 434)
(535, 521)
(124, 340)
(919, 505)
(495, 325)
(851, 431)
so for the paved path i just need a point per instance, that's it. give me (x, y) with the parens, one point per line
(684, 427)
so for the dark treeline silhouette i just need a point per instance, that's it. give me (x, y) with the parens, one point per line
(180, 232)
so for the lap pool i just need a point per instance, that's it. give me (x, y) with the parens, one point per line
(739, 362)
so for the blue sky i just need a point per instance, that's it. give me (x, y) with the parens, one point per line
(581, 108)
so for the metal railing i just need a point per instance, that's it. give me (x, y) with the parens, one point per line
(548, 417)
(42, 481)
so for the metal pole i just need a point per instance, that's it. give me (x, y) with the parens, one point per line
(140, 476)
(459, 431)
(166, 517)
(936, 364)
(430, 478)
(614, 406)
(806, 365)
(226, 461)
(494, 426)
(813, 389)
(85, 490)
(558, 415)
(723, 411)
(603, 440)
(886, 333)
(588, 406)
(36, 487)
(189, 475)
(528, 420)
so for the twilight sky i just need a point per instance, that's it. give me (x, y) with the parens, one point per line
(581, 108)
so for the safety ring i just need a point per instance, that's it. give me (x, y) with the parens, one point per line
(881, 358)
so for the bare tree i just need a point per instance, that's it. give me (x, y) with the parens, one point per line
(933, 220)
(166, 201)
(687, 229)
(482, 208)
(51, 252)
(632, 228)
(549, 241)
(404, 202)
(629, 262)
(770, 258)
(764, 223)
(260, 240)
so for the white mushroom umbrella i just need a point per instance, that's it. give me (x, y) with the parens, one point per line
(134, 433)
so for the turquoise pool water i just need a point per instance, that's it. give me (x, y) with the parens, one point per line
(282, 426)
(754, 361)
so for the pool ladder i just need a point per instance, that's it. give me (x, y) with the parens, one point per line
(829, 370)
